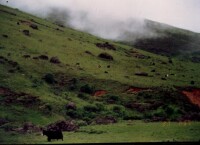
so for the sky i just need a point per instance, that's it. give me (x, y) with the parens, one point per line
(105, 14)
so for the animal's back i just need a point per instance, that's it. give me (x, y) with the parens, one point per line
(53, 135)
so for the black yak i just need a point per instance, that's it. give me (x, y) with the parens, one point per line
(53, 134)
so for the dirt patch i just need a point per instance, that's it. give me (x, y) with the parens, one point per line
(34, 26)
(25, 22)
(144, 74)
(136, 54)
(3, 121)
(99, 93)
(30, 24)
(63, 125)
(43, 57)
(5, 91)
(106, 120)
(24, 99)
(105, 45)
(26, 56)
(135, 90)
(193, 95)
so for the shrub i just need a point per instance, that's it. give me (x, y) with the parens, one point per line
(49, 78)
(147, 115)
(76, 114)
(36, 83)
(81, 123)
(74, 80)
(46, 109)
(106, 56)
(112, 99)
(91, 108)
(169, 110)
(55, 60)
(72, 113)
(132, 116)
(87, 89)
(100, 106)
(119, 111)
(160, 113)
(83, 96)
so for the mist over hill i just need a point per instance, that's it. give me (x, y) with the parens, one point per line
(126, 27)
(54, 77)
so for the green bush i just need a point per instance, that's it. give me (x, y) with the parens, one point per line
(73, 86)
(81, 123)
(87, 89)
(91, 108)
(112, 99)
(76, 114)
(47, 109)
(100, 107)
(83, 96)
(119, 111)
(132, 116)
(72, 113)
(49, 78)
(147, 115)
(160, 113)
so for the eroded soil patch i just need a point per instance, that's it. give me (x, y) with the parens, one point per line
(193, 95)
(100, 93)
(136, 90)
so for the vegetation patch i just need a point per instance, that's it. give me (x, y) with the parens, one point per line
(106, 45)
(106, 56)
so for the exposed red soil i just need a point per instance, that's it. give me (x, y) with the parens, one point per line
(193, 95)
(135, 90)
(100, 93)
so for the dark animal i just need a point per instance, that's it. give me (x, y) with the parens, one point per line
(53, 134)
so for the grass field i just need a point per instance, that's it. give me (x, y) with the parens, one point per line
(129, 131)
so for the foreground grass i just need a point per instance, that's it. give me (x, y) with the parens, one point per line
(129, 131)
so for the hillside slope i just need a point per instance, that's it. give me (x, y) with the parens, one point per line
(167, 40)
(49, 73)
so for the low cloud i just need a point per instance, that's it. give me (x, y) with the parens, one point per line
(114, 19)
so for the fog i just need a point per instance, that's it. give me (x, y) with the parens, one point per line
(112, 19)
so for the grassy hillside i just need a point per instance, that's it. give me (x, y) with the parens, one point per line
(44, 67)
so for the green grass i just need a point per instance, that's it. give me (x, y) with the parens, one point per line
(69, 46)
(57, 43)
(129, 131)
